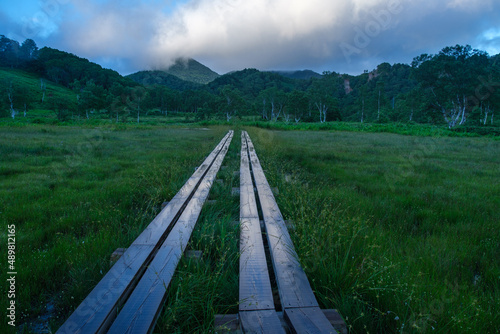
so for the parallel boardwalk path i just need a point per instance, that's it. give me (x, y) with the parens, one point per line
(257, 312)
(300, 307)
(139, 279)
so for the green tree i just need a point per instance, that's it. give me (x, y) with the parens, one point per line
(9, 52)
(297, 104)
(450, 77)
(234, 101)
(28, 50)
(276, 99)
(137, 99)
(322, 96)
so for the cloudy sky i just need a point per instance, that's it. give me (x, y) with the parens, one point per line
(346, 36)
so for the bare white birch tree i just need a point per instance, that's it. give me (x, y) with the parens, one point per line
(322, 108)
(10, 94)
(43, 88)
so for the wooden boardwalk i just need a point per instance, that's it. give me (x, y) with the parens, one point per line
(136, 284)
(256, 308)
(257, 312)
(131, 295)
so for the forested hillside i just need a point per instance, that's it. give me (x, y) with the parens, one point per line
(457, 87)
(303, 74)
(162, 78)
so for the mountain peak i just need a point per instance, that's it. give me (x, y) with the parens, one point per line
(189, 69)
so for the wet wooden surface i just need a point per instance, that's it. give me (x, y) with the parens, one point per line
(255, 291)
(98, 310)
(296, 295)
(263, 321)
(308, 320)
(142, 308)
(293, 285)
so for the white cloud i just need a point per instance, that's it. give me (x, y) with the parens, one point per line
(490, 41)
(256, 31)
(270, 34)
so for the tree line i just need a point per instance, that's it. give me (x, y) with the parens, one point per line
(457, 86)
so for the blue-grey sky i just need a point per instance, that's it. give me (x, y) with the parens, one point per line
(346, 36)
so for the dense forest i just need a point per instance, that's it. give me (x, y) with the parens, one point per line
(459, 86)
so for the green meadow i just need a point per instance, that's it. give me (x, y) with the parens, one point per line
(399, 233)
(77, 194)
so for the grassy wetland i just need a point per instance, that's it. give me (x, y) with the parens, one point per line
(398, 233)
(77, 194)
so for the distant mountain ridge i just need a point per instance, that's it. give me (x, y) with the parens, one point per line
(185, 71)
(303, 74)
(162, 78)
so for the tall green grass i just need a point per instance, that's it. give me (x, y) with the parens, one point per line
(205, 287)
(27, 89)
(77, 194)
(411, 129)
(398, 233)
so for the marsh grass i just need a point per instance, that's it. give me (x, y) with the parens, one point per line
(205, 287)
(398, 233)
(411, 129)
(77, 194)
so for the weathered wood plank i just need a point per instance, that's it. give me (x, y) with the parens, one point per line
(227, 323)
(294, 288)
(94, 312)
(230, 323)
(293, 285)
(255, 285)
(309, 320)
(256, 306)
(263, 321)
(140, 312)
(143, 306)
(98, 310)
(248, 204)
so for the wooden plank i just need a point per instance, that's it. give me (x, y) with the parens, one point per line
(263, 321)
(227, 323)
(140, 312)
(336, 320)
(248, 204)
(309, 320)
(256, 304)
(230, 323)
(96, 311)
(254, 283)
(93, 313)
(294, 288)
(142, 308)
(293, 285)
(255, 291)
